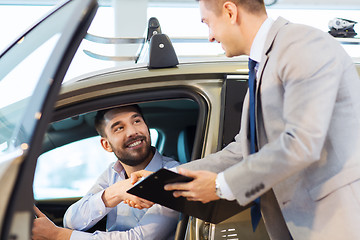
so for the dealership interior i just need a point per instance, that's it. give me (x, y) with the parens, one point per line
(178, 19)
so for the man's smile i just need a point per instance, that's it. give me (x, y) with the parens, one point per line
(135, 142)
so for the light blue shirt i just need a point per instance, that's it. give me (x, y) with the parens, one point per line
(256, 51)
(123, 222)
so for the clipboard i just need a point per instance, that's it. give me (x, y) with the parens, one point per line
(152, 188)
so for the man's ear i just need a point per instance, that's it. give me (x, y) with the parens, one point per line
(105, 144)
(231, 10)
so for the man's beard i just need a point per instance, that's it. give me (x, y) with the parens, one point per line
(134, 160)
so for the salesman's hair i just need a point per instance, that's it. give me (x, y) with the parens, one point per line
(252, 6)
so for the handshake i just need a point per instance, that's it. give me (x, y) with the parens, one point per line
(166, 185)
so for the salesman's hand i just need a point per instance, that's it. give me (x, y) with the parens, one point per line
(139, 203)
(136, 176)
(44, 229)
(202, 188)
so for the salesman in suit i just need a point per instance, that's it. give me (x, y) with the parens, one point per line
(307, 101)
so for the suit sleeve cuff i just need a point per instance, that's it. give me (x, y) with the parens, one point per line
(224, 187)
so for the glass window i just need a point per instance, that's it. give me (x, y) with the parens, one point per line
(70, 170)
(23, 84)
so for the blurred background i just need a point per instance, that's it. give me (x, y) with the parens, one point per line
(128, 18)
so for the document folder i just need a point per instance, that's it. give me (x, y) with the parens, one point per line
(152, 188)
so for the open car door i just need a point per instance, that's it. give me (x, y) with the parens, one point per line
(31, 72)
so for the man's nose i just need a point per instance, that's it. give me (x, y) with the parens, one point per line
(131, 131)
(211, 37)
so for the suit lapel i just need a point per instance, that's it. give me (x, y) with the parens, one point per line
(277, 25)
(275, 28)
(280, 22)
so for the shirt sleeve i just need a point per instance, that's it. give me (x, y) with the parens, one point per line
(86, 212)
(157, 223)
(224, 187)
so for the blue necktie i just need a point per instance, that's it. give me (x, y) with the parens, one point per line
(252, 87)
(255, 210)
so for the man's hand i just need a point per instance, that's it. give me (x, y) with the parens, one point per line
(44, 229)
(116, 194)
(136, 176)
(134, 201)
(139, 203)
(202, 188)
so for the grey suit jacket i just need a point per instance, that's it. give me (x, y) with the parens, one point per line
(308, 131)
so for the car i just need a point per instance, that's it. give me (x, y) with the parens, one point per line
(49, 150)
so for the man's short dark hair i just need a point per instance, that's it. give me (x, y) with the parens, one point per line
(99, 117)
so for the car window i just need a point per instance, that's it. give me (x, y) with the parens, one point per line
(14, 106)
(70, 170)
(26, 81)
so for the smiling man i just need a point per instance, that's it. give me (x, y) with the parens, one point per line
(124, 132)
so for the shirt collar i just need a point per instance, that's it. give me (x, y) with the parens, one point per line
(258, 44)
(154, 165)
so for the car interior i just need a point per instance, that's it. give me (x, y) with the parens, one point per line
(174, 122)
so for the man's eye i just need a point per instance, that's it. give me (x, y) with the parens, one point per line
(118, 129)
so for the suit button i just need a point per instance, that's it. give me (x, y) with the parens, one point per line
(253, 191)
(247, 194)
(258, 188)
